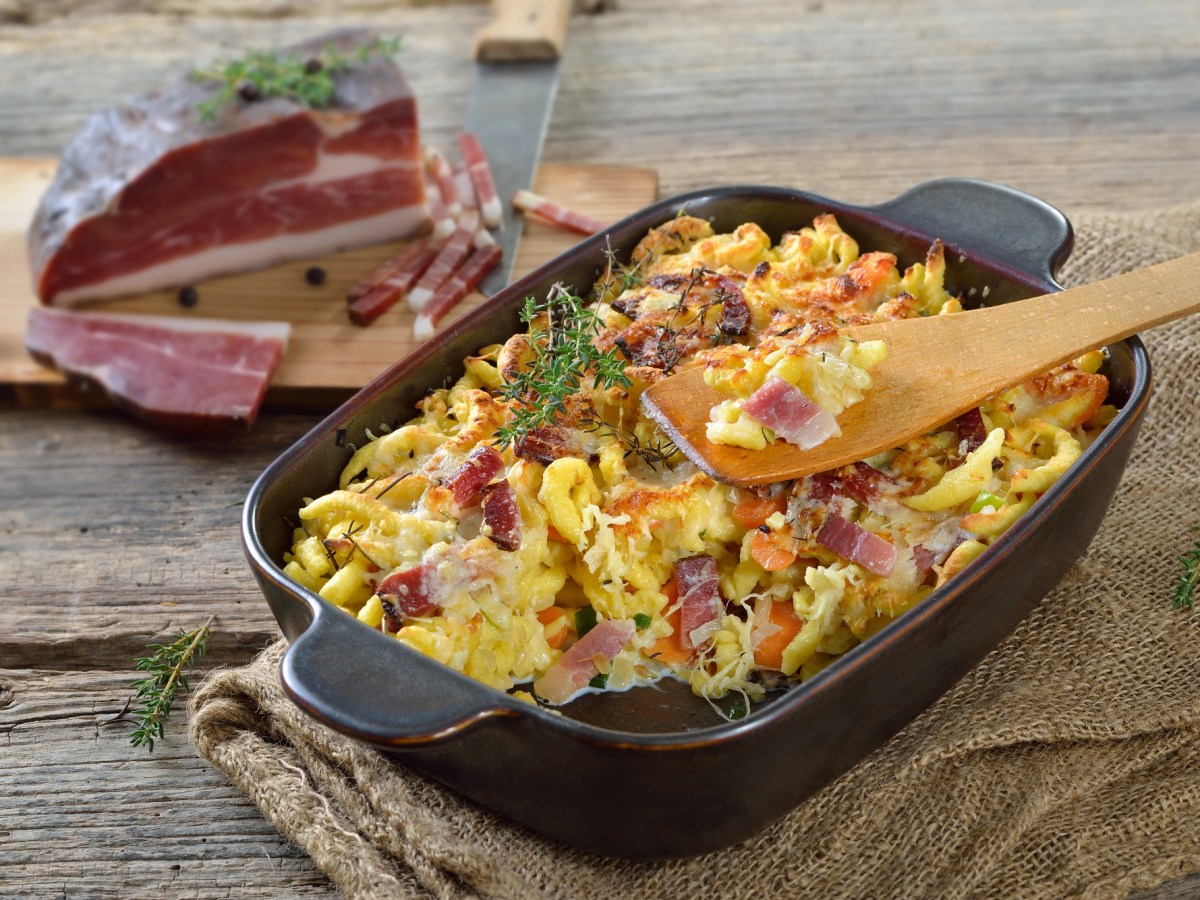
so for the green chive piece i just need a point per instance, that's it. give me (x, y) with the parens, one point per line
(600, 681)
(585, 621)
(641, 620)
(984, 500)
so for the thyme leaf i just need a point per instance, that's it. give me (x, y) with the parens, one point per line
(1184, 596)
(261, 74)
(168, 667)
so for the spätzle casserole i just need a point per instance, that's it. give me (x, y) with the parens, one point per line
(531, 528)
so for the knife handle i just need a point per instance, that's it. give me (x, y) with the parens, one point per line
(523, 29)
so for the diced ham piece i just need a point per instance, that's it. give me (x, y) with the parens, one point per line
(448, 259)
(971, 430)
(413, 592)
(865, 483)
(853, 542)
(182, 372)
(789, 412)
(481, 466)
(575, 668)
(735, 312)
(400, 274)
(151, 195)
(443, 177)
(699, 597)
(452, 292)
(443, 218)
(549, 211)
(464, 188)
(545, 445)
(501, 515)
(481, 179)
(821, 487)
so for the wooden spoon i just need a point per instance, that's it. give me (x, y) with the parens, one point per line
(936, 369)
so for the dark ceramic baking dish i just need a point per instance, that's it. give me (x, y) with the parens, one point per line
(654, 772)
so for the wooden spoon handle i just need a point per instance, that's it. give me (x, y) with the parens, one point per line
(1007, 344)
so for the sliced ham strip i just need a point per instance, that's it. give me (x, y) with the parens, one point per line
(410, 266)
(502, 515)
(481, 466)
(789, 412)
(549, 211)
(465, 189)
(450, 294)
(413, 592)
(575, 668)
(385, 270)
(150, 194)
(481, 179)
(182, 372)
(448, 259)
(699, 597)
(443, 178)
(853, 542)
(442, 217)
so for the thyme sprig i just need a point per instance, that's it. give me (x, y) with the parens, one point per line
(564, 354)
(653, 454)
(168, 667)
(1184, 596)
(268, 73)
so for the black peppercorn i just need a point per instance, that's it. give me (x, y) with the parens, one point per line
(188, 296)
(314, 275)
(248, 91)
(765, 529)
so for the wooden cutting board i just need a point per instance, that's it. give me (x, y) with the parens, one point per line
(327, 357)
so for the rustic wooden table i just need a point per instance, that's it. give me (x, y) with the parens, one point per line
(112, 536)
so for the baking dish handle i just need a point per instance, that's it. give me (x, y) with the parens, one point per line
(1003, 224)
(370, 687)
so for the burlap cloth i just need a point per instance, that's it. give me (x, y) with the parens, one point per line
(1067, 763)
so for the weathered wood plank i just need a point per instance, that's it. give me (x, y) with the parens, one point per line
(115, 535)
(1087, 106)
(83, 814)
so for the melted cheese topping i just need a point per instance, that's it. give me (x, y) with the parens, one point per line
(602, 528)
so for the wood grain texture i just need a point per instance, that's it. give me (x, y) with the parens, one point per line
(84, 815)
(1086, 105)
(326, 352)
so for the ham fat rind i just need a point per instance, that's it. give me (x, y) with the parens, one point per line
(791, 414)
(149, 196)
(575, 668)
(182, 372)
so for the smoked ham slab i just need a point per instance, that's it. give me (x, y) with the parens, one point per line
(151, 195)
(188, 374)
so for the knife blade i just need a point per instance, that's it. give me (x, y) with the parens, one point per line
(512, 94)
